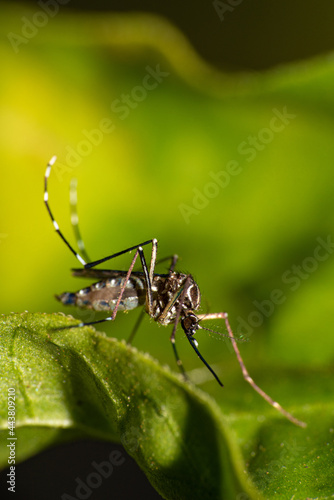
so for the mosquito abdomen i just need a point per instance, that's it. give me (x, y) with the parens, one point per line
(103, 296)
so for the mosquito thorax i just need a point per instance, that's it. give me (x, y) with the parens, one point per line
(167, 296)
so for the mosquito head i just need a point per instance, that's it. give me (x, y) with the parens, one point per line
(189, 323)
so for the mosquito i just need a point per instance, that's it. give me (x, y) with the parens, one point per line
(169, 299)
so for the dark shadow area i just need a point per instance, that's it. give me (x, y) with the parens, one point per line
(81, 470)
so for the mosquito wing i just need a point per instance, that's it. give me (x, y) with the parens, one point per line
(102, 274)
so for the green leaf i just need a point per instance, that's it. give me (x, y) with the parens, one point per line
(86, 384)
(288, 462)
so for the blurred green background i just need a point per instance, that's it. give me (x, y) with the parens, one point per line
(154, 173)
(267, 137)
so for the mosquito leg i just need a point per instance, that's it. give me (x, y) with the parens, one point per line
(245, 373)
(75, 219)
(46, 201)
(135, 247)
(148, 279)
(147, 275)
(178, 360)
(174, 258)
(136, 326)
(56, 226)
(138, 248)
(153, 259)
(176, 321)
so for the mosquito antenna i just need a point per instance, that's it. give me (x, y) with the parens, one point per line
(225, 335)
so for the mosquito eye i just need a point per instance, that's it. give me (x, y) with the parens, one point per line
(186, 324)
